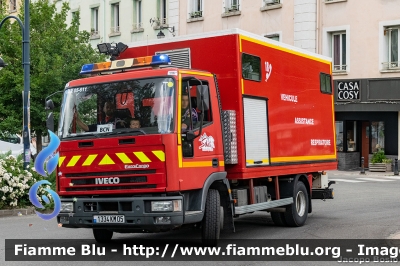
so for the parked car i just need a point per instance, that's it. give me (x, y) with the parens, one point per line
(14, 142)
(15, 148)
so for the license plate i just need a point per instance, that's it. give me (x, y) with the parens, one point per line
(108, 219)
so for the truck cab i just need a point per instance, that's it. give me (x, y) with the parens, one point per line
(115, 178)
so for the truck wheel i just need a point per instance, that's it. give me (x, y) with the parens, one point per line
(102, 235)
(210, 226)
(221, 217)
(278, 218)
(296, 214)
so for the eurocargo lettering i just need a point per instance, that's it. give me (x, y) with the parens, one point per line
(252, 131)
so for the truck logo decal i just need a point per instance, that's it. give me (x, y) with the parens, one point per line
(129, 166)
(107, 180)
(207, 143)
(268, 70)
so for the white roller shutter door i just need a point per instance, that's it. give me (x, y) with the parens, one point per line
(256, 131)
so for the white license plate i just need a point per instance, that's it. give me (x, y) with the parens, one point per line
(108, 219)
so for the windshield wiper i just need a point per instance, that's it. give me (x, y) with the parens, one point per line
(126, 131)
(82, 135)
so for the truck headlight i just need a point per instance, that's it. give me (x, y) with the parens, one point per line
(166, 206)
(67, 207)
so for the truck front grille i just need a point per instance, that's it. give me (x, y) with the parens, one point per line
(109, 188)
(91, 174)
(92, 181)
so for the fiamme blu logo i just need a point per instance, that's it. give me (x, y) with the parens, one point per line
(47, 154)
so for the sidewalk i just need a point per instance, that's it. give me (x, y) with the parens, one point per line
(17, 212)
(356, 173)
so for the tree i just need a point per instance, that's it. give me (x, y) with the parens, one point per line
(57, 53)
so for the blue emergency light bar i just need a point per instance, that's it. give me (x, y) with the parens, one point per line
(153, 61)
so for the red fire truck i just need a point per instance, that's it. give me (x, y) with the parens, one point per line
(230, 123)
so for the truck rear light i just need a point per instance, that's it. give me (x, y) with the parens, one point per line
(166, 206)
(163, 220)
(67, 207)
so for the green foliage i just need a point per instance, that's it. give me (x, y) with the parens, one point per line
(15, 182)
(378, 157)
(57, 53)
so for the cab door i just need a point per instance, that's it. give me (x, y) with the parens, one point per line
(202, 155)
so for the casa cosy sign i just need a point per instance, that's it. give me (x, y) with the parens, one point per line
(348, 90)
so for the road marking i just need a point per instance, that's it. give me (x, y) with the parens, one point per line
(392, 177)
(346, 180)
(374, 179)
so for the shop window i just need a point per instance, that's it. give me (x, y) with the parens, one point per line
(351, 127)
(339, 135)
(377, 136)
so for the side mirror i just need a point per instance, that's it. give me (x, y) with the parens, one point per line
(203, 97)
(50, 122)
(49, 104)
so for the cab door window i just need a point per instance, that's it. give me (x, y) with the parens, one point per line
(191, 101)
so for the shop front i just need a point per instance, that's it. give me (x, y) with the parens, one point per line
(367, 120)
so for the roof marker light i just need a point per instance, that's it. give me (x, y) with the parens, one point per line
(86, 69)
(161, 59)
(155, 60)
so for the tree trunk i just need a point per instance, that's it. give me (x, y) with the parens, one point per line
(38, 141)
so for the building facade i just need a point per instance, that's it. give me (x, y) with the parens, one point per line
(363, 41)
(125, 20)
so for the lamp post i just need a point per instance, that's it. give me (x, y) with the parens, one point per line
(26, 64)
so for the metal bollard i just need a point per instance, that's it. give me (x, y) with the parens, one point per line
(362, 166)
(396, 167)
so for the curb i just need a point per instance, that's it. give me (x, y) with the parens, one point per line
(14, 212)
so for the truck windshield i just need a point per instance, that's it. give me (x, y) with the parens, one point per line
(133, 107)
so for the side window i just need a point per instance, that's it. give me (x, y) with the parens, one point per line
(191, 101)
(207, 119)
(325, 83)
(251, 67)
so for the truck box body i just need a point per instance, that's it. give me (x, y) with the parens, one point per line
(285, 123)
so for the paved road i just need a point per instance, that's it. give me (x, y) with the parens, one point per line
(361, 210)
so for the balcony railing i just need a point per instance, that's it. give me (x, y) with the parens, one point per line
(196, 14)
(339, 68)
(137, 26)
(271, 2)
(94, 33)
(391, 65)
(232, 8)
(115, 29)
(164, 21)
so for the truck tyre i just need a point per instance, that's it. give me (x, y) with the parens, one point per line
(210, 226)
(102, 235)
(278, 218)
(296, 214)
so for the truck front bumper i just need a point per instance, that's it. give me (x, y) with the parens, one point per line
(136, 212)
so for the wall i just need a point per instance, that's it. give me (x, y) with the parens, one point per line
(363, 19)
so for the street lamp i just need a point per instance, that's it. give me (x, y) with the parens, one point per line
(26, 63)
(161, 26)
(162, 35)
